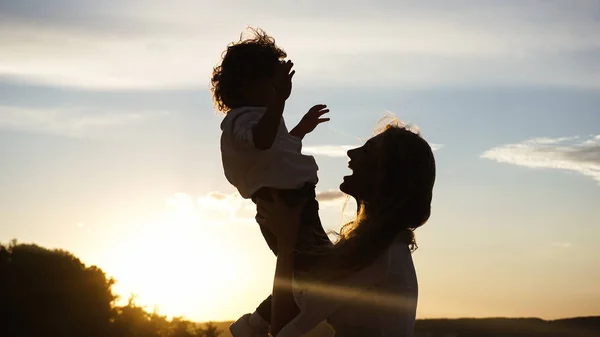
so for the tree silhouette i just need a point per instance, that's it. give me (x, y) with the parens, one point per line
(51, 293)
(210, 330)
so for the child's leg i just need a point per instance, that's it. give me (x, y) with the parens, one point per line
(311, 234)
(262, 316)
(265, 194)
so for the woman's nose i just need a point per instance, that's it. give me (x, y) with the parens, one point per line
(351, 152)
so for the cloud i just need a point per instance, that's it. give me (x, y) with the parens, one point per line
(230, 207)
(217, 196)
(135, 44)
(69, 121)
(553, 249)
(227, 209)
(342, 150)
(436, 147)
(565, 153)
(214, 208)
(563, 245)
(328, 150)
(331, 196)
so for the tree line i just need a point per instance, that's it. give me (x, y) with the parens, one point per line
(50, 292)
(46, 292)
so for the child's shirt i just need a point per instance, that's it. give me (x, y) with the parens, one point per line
(283, 166)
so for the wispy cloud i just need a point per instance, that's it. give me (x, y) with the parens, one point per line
(436, 147)
(69, 122)
(214, 208)
(553, 249)
(565, 153)
(175, 44)
(563, 245)
(330, 196)
(328, 150)
(228, 208)
(342, 150)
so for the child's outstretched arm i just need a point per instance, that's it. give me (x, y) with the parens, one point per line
(309, 122)
(265, 130)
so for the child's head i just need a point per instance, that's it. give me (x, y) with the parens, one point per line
(245, 75)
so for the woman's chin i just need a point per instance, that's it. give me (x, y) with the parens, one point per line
(344, 184)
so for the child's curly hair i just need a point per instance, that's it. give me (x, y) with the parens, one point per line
(244, 61)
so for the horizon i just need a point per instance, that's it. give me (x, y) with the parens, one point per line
(110, 143)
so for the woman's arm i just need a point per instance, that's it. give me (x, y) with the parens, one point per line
(283, 221)
(284, 308)
(321, 300)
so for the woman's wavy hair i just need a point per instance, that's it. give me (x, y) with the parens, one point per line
(403, 203)
(243, 62)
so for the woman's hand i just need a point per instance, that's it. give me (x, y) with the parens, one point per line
(282, 220)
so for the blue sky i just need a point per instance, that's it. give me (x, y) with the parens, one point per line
(109, 142)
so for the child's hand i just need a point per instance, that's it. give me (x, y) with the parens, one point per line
(309, 122)
(283, 80)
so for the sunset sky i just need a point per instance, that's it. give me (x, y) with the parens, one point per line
(109, 144)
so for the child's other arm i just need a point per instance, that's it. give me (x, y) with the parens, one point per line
(310, 121)
(265, 130)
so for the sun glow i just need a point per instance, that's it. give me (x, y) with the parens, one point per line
(203, 258)
(177, 262)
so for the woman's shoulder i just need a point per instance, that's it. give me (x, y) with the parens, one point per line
(399, 254)
(395, 260)
(398, 248)
(400, 269)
